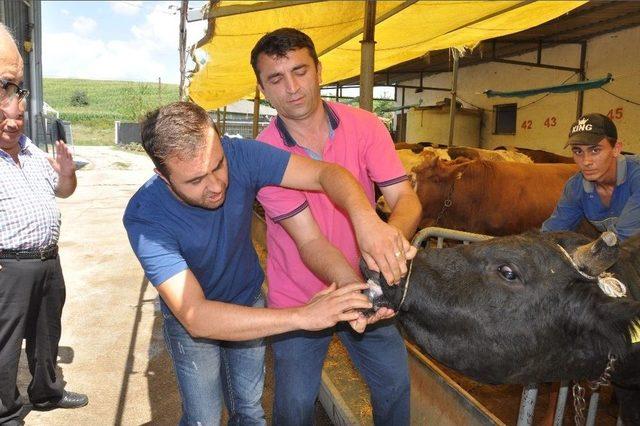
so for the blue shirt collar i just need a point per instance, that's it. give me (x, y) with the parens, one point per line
(334, 122)
(24, 143)
(621, 174)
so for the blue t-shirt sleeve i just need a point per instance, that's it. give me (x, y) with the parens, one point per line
(628, 223)
(568, 213)
(157, 250)
(262, 163)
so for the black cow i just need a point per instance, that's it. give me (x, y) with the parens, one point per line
(517, 310)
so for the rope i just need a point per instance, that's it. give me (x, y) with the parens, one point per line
(406, 285)
(620, 97)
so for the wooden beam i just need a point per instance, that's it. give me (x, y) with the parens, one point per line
(367, 56)
(533, 64)
(356, 33)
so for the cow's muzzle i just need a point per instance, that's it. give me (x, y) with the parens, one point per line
(374, 292)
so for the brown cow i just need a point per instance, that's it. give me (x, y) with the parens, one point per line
(489, 197)
(473, 153)
(414, 147)
(410, 160)
(538, 155)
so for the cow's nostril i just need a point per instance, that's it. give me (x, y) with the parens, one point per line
(374, 292)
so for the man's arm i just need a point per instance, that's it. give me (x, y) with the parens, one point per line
(629, 220)
(383, 247)
(225, 321)
(66, 169)
(406, 209)
(568, 212)
(325, 260)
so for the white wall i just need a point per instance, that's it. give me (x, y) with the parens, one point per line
(543, 121)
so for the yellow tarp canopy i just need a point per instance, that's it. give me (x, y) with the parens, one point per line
(404, 30)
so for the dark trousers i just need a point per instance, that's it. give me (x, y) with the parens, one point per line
(32, 295)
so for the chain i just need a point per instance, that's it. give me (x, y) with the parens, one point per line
(605, 378)
(447, 201)
(579, 403)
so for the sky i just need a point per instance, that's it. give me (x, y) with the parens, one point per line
(115, 40)
(120, 40)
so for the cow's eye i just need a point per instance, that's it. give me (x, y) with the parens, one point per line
(507, 273)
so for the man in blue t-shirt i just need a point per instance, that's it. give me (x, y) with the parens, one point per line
(606, 192)
(190, 225)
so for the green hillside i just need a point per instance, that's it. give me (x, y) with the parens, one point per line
(106, 101)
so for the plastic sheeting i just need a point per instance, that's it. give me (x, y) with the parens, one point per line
(404, 30)
(563, 88)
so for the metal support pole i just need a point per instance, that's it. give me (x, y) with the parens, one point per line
(402, 131)
(561, 404)
(581, 74)
(223, 129)
(593, 408)
(35, 100)
(527, 405)
(367, 49)
(182, 46)
(454, 88)
(256, 111)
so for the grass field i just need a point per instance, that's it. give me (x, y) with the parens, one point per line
(108, 101)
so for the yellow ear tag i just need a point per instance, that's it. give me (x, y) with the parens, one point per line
(635, 333)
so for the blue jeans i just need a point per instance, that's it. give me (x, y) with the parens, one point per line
(208, 370)
(379, 354)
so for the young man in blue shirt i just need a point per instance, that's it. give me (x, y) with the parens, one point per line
(606, 191)
(190, 225)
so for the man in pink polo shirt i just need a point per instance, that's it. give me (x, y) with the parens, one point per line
(311, 243)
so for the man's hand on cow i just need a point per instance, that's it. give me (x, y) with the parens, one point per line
(332, 305)
(385, 250)
(363, 321)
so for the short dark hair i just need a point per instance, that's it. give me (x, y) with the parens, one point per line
(280, 42)
(175, 130)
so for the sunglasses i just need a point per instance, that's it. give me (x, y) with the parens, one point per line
(9, 91)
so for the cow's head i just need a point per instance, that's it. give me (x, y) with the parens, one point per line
(516, 309)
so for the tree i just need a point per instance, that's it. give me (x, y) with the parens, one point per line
(79, 98)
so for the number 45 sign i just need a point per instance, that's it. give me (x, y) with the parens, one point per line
(615, 114)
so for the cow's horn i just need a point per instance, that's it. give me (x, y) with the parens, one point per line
(598, 256)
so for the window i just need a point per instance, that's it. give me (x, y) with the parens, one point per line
(505, 119)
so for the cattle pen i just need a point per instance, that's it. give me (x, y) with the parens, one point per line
(440, 395)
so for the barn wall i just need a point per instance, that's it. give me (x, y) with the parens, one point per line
(432, 125)
(543, 121)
